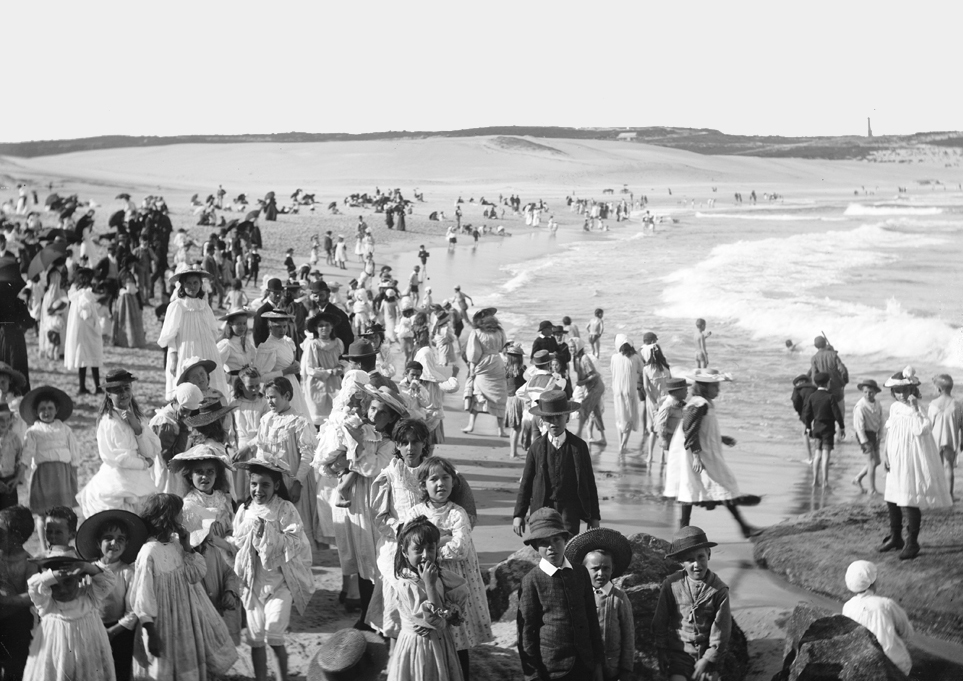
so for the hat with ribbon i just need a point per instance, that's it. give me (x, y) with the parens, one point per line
(192, 363)
(542, 357)
(389, 397)
(360, 348)
(183, 270)
(708, 376)
(236, 312)
(906, 377)
(117, 378)
(554, 403)
(211, 410)
(688, 539)
(264, 460)
(17, 379)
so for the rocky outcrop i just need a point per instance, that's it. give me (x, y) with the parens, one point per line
(641, 582)
(826, 647)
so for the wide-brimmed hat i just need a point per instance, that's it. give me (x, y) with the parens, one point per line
(194, 362)
(211, 410)
(687, 539)
(375, 329)
(360, 348)
(28, 406)
(201, 452)
(349, 653)
(118, 377)
(17, 379)
(708, 376)
(236, 312)
(545, 326)
(553, 403)
(542, 357)
(88, 534)
(274, 284)
(605, 538)
(869, 383)
(272, 463)
(544, 523)
(312, 322)
(57, 557)
(389, 397)
(800, 379)
(906, 377)
(185, 271)
(274, 315)
(515, 349)
(675, 384)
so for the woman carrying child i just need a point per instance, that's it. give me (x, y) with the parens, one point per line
(71, 642)
(127, 449)
(185, 636)
(50, 453)
(273, 561)
(439, 481)
(111, 540)
(915, 479)
(430, 602)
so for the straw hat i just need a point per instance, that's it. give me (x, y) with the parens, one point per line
(201, 452)
(610, 540)
(88, 534)
(272, 463)
(236, 312)
(360, 348)
(687, 539)
(902, 378)
(184, 270)
(210, 411)
(117, 378)
(542, 357)
(514, 349)
(708, 376)
(389, 397)
(554, 403)
(274, 315)
(192, 363)
(28, 406)
(360, 655)
(17, 379)
(57, 557)
(544, 523)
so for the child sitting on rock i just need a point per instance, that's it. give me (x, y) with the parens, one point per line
(879, 614)
(692, 621)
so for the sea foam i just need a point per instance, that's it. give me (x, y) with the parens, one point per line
(862, 210)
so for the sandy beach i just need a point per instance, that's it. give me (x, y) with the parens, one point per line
(532, 274)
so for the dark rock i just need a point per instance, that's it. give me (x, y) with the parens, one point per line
(641, 582)
(833, 648)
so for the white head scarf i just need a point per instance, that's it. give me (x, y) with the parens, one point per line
(860, 575)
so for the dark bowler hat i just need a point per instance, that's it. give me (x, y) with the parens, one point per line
(545, 326)
(687, 539)
(544, 523)
(868, 383)
(554, 403)
(318, 287)
(360, 348)
(274, 284)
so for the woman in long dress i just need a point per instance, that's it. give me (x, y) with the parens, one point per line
(321, 368)
(190, 330)
(916, 480)
(697, 472)
(655, 372)
(626, 369)
(128, 323)
(589, 390)
(53, 315)
(277, 356)
(84, 344)
(486, 371)
(436, 379)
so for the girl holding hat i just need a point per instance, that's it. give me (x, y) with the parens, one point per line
(236, 348)
(697, 472)
(83, 343)
(626, 370)
(190, 329)
(916, 480)
(51, 452)
(127, 447)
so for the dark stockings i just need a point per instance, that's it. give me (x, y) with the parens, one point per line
(463, 659)
(746, 528)
(82, 375)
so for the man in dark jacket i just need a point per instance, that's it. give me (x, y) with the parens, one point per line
(827, 360)
(558, 470)
(275, 291)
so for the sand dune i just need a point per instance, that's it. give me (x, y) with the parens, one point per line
(483, 164)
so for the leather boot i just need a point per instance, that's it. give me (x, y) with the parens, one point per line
(895, 539)
(912, 548)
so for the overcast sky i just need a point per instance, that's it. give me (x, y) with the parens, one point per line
(78, 69)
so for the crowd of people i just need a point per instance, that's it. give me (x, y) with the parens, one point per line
(303, 418)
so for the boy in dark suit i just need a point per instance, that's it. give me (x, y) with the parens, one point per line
(558, 470)
(821, 413)
(559, 638)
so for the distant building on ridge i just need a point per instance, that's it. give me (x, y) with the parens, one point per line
(869, 128)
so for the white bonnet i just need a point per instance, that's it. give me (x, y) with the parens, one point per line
(188, 396)
(860, 575)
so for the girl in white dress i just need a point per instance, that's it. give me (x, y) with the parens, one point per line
(53, 316)
(236, 348)
(128, 447)
(251, 406)
(321, 371)
(190, 329)
(71, 641)
(84, 344)
(626, 371)
(276, 357)
(915, 479)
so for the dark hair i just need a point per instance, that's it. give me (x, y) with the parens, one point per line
(63, 513)
(213, 431)
(107, 408)
(627, 349)
(657, 359)
(432, 463)
(160, 515)
(913, 390)
(414, 366)
(698, 388)
(281, 489)
(821, 379)
(411, 430)
(19, 522)
(599, 311)
(515, 366)
(109, 525)
(236, 285)
(566, 320)
(82, 280)
(221, 483)
(419, 530)
(282, 385)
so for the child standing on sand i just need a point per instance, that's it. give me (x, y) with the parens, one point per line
(821, 413)
(868, 423)
(947, 417)
(702, 354)
(595, 328)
